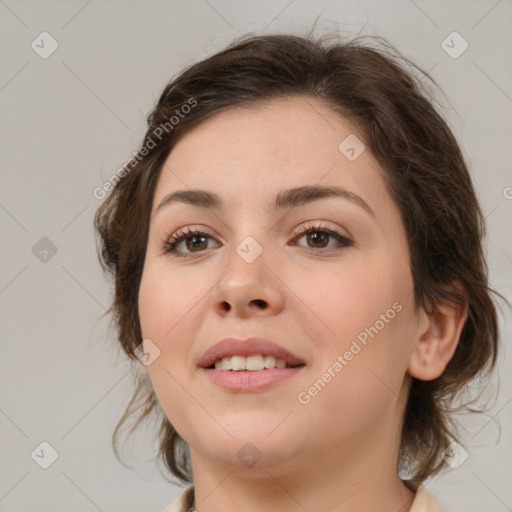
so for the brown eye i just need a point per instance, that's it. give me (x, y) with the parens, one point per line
(319, 238)
(193, 241)
(196, 242)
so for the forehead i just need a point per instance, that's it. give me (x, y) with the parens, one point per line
(287, 129)
(248, 154)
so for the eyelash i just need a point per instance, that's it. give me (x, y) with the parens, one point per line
(170, 244)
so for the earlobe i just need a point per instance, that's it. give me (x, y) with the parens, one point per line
(436, 340)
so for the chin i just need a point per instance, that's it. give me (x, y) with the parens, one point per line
(261, 426)
(249, 450)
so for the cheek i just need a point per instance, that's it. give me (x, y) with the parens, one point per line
(364, 311)
(164, 300)
(163, 305)
(348, 300)
(349, 396)
(154, 300)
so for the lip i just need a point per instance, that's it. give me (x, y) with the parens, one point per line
(249, 381)
(228, 347)
(246, 380)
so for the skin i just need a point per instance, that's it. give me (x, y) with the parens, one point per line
(340, 450)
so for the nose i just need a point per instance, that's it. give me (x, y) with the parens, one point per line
(248, 288)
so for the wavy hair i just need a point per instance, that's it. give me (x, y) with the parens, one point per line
(376, 88)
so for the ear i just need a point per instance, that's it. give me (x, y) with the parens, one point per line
(436, 340)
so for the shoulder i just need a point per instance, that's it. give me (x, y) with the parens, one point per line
(425, 501)
(180, 503)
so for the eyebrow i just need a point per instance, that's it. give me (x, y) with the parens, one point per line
(285, 199)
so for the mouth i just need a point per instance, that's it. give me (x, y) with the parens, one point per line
(251, 363)
(248, 365)
(251, 354)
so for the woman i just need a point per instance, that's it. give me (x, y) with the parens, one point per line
(297, 254)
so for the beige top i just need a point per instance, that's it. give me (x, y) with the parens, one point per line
(423, 502)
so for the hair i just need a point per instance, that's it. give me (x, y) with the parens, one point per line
(425, 173)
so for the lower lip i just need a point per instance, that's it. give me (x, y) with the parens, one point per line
(247, 381)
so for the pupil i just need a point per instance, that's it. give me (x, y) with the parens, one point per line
(199, 239)
(318, 237)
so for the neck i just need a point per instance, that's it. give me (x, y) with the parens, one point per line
(353, 482)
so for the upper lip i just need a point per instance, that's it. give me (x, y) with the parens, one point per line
(228, 347)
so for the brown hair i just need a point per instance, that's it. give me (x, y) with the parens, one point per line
(425, 173)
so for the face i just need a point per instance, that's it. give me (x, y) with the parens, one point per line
(320, 275)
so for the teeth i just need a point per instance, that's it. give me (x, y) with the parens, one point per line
(251, 363)
(255, 363)
(238, 363)
(270, 362)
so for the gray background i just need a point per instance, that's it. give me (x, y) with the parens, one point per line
(70, 120)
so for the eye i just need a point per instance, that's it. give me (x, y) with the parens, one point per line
(318, 238)
(194, 241)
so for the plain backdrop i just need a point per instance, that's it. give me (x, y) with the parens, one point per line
(70, 119)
